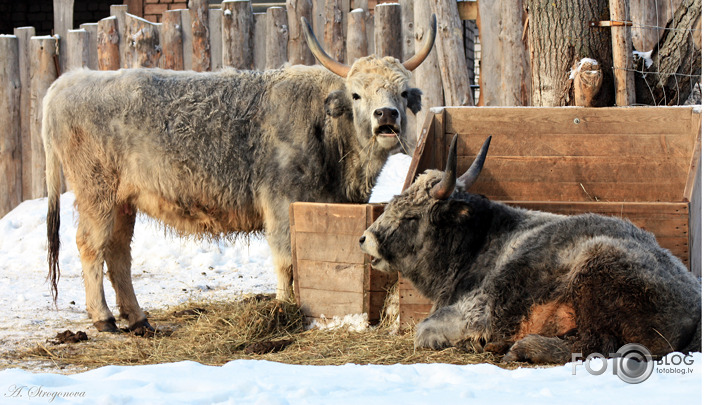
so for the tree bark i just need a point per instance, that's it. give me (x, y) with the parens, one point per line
(560, 35)
(201, 58)
(677, 60)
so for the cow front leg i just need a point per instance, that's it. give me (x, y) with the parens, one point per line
(89, 243)
(277, 229)
(118, 257)
(443, 328)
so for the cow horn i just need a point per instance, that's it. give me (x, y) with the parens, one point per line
(471, 175)
(445, 187)
(420, 56)
(322, 57)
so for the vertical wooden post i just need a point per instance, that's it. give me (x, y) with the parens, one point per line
(450, 49)
(120, 12)
(43, 73)
(319, 17)
(237, 34)
(108, 44)
(201, 60)
(77, 49)
(141, 43)
(186, 38)
(259, 41)
(10, 125)
(333, 35)
(357, 35)
(298, 51)
(408, 27)
(23, 35)
(388, 30)
(427, 76)
(215, 32)
(172, 44)
(91, 29)
(63, 12)
(622, 54)
(276, 37)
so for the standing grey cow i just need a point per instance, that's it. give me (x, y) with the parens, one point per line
(534, 285)
(214, 154)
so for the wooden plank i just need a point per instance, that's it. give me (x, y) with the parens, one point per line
(10, 125)
(333, 248)
(577, 169)
(215, 32)
(23, 35)
(330, 303)
(77, 42)
(693, 193)
(652, 146)
(345, 219)
(91, 29)
(331, 276)
(584, 191)
(423, 157)
(569, 120)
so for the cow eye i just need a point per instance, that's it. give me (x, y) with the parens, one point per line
(356, 96)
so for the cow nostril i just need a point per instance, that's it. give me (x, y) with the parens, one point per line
(362, 239)
(378, 113)
(395, 113)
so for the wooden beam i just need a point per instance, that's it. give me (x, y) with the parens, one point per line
(622, 53)
(10, 126)
(23, 35)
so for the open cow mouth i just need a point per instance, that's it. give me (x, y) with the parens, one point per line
(387, 130)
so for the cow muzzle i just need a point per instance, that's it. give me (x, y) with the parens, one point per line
(386, 126)
(369, 244)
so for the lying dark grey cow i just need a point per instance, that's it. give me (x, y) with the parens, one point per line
(540, 286)
(214, 154)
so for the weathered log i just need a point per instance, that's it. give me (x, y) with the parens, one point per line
(120, 12)
(215, 19)
(276, 37)
(23, 35)
(259, 41)
(77, 42)
(333, 39)
(172, 43)
(91, 29)
(43, 73)
(108, 44)
(407, 10)
(201, 58)
(450, 49)
(356, 43)
(588, 78)
(298, 51)
(237, 34)
(63, 11)
(10, 125)
(142, 45)
(622, 54)
(388, 30)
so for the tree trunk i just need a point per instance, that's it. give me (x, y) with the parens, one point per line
(677, 60)
(559, 36)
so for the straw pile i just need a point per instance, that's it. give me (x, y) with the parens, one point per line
(255, 328)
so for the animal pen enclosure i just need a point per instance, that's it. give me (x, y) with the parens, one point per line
(200, 38)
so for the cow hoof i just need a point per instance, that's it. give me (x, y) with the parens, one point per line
(431, 338)
(141, 327)
(110, 325)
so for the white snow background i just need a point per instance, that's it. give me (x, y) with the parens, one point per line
(168, 270)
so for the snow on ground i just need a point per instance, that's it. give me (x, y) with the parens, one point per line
(168, 270)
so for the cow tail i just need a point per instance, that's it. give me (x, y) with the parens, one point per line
(53, 173)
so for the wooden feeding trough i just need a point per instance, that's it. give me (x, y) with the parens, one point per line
(332, 276)
(638, 163)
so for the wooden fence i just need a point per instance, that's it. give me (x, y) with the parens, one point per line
(206, 39)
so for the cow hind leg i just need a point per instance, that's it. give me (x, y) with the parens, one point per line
(540, 349)
(93, 232)
(117, 256)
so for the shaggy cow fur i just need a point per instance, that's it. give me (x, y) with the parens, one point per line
(212, 154)
(538, 286)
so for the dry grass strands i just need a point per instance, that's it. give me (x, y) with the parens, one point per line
(255, 328)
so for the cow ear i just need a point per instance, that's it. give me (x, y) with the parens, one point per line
(451, 212)
(414, 100)
(337, 104)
